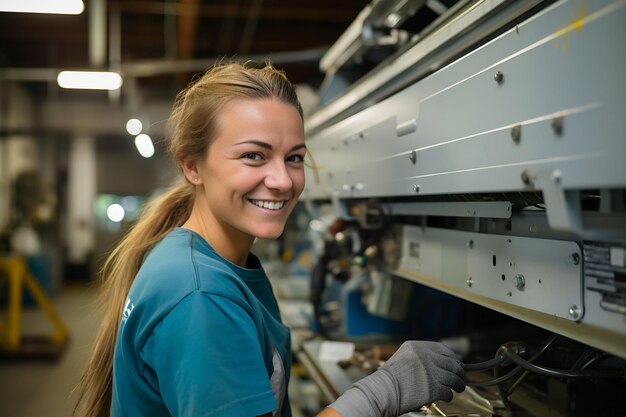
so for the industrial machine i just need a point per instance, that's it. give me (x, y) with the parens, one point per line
(486, 142)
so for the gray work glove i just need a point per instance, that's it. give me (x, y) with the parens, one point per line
(418, 373)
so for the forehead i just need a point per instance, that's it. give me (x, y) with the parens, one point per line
(271, 118)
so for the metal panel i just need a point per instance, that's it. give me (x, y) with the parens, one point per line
(538, 274)
(487, 209)
(446, 259)
(553, 94)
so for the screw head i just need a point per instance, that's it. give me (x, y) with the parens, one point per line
(520, 282)
(557, 125)
(574, 258)
(516, 133)
(556, 176)
(574, 311)
(470, 244)
(525, 177)
(413, 156)
(416, 188)
(469, 282)
(499, 77)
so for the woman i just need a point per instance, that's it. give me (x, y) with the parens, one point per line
(191, 325)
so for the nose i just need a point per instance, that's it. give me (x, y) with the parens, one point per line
(278, 177)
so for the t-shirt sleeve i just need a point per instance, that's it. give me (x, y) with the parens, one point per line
(204, 359)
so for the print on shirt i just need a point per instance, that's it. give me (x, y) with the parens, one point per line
(128, 308)
(278, 382)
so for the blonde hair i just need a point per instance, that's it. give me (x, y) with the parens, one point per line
(191, 127)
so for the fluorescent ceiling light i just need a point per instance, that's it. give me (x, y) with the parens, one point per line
(134, 126)
(144, 145)
(42, 6)
(90, 80)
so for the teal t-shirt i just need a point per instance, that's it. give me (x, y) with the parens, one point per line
(200, 336)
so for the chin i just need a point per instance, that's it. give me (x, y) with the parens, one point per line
(269, 233)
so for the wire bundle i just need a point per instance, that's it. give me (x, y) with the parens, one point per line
(510, 353)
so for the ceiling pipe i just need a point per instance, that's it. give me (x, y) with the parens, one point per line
(97, 33)
(151, 68)
(115, 47)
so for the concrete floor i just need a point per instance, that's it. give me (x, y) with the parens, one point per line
(44, 388)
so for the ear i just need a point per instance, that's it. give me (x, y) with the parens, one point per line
(190, 170)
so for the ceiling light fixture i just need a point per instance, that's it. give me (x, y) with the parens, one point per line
(89, 80)
(144, 145)
(42, 6)
(134, 126)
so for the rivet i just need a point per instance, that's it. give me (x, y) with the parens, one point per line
(557, 125)
(499, 77)
(516, 133)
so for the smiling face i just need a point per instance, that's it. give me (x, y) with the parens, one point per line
(253, 173)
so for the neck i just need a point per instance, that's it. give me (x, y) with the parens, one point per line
(229, 243)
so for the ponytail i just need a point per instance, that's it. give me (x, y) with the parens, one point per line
(158, 219)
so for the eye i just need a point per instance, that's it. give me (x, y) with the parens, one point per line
(252, 156)
(295, 159)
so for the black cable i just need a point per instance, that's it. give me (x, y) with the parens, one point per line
(515, 371)
(495, 381)
(539, 352)
(562, 373)
(481, 366)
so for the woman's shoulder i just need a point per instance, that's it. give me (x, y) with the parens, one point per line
(181, 264)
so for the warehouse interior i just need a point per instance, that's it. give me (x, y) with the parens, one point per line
(467, 187)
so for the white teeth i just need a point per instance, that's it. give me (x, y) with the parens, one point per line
(270, 205)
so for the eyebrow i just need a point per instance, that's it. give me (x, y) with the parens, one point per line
(268, 146)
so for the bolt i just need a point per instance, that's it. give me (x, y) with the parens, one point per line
(469, 282)
(520, 282)
(557, 125)
(499, 77)
(413, 156)
(574, 258)
(574, 312)
(516, 133)
(416, 188)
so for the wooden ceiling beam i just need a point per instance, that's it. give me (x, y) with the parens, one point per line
(187, 29)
